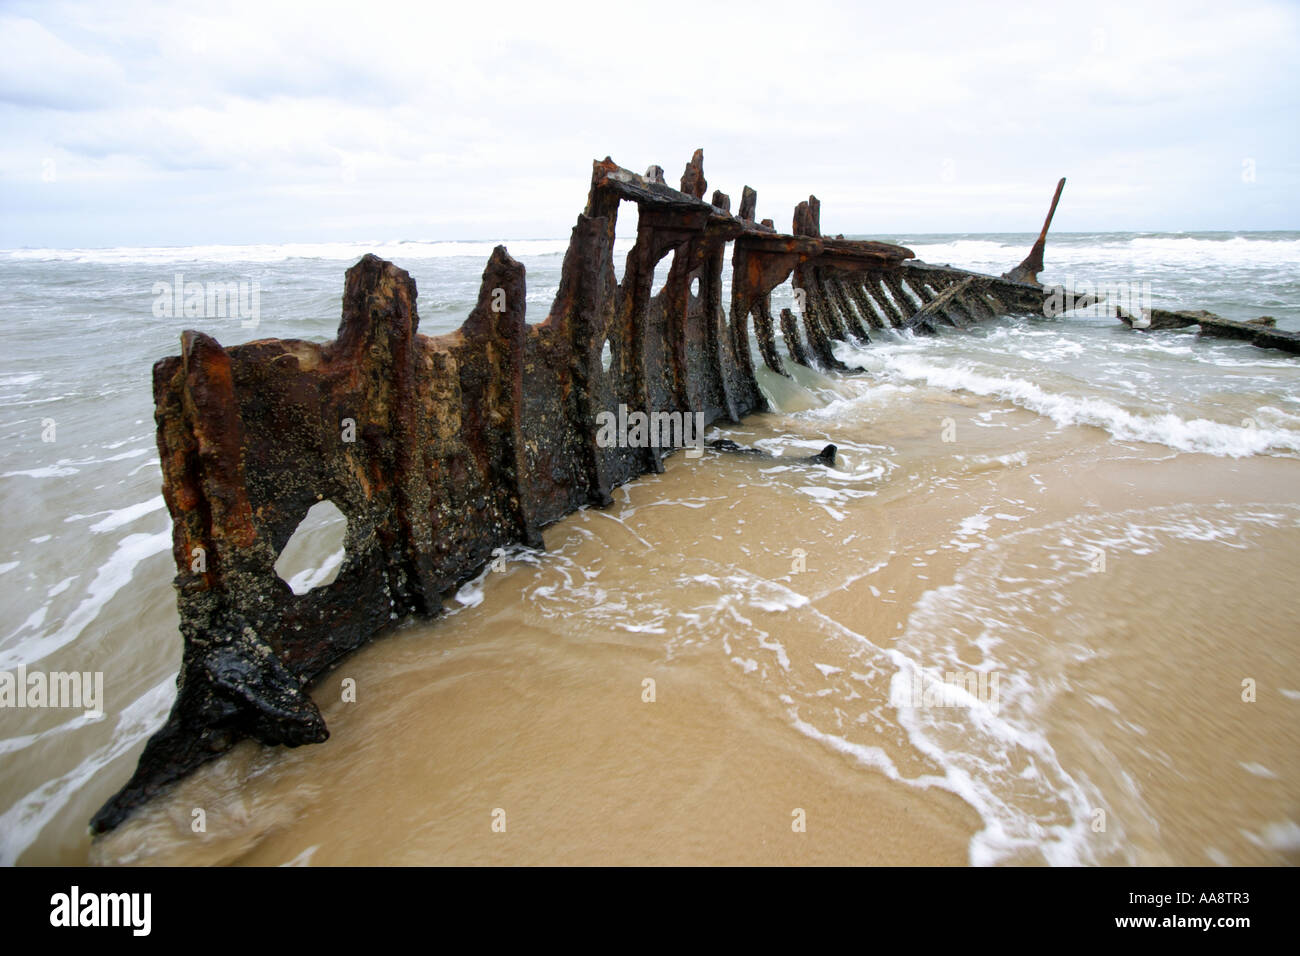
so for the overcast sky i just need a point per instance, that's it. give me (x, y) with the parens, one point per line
(140, 123)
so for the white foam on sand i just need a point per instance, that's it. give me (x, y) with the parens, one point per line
(21, 824)
(1182, 434)
(126, 515)
(997, 757)
(113, 575)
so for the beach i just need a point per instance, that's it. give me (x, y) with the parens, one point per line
(1088, 535)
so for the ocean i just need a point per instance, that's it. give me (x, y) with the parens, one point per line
(1043, 610)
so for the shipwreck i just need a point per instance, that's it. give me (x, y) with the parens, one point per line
(440, 451)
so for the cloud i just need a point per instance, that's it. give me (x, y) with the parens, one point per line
(40, 70)
(269, 118)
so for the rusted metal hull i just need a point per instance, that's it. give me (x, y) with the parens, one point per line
(441, 450)
(1262, 332)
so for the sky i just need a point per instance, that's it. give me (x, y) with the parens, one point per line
(149, 124)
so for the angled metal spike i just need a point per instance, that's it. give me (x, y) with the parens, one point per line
(1028, 270)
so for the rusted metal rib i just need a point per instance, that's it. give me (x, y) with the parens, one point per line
(839, 298)
(867, 308)
(942, 304)
(878, 292)
(790, 332)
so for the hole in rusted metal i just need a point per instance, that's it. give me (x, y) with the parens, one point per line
(625, 232)
(314, 553)
(662, 268)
